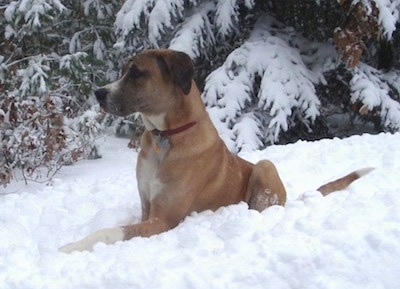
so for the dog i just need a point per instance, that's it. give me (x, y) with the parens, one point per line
(183, 165)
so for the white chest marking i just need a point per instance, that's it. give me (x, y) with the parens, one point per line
(152, 122)
(149, 185)
(155, 188)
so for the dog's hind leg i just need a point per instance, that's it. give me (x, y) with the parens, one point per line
(265, 187)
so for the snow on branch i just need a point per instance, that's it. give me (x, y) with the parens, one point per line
(186, 25)
(195, 33)
(248, 133)
(286, 85)
(385, 12)
(162, 17)
(34, 76)
(388, 14)
(371, 87)
(32, 11)
(226, 16)
(102, 10)
(72, 62)
(145, 23)
(130, 16)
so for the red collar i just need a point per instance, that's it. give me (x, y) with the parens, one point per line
(169, 132)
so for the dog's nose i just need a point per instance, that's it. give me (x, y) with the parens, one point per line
(101, 94)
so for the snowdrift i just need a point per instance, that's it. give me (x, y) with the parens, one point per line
(349, 239)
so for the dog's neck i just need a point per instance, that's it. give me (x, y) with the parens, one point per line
(156, 125)
(162, 137)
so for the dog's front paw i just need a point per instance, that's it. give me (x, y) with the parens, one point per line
(107, 236)
(76, 246)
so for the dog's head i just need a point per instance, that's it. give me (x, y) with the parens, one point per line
(151, 82)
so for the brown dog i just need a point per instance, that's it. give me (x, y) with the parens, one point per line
(183, 165)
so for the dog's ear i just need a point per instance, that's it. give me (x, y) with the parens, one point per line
(179, 67)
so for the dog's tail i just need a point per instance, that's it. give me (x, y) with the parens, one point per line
(343, 182)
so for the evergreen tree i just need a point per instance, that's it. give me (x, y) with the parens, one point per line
(52, 53)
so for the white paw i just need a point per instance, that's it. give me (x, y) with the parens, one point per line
(107, 236)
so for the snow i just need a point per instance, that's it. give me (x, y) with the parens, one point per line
(159, 20)
(247, 131)
(195, 32)
(130, 14)
(34, 74)
(388, 16)
(226, 16)
(348, 239)
(10, 11)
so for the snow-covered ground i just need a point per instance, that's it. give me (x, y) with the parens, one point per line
(350, 239)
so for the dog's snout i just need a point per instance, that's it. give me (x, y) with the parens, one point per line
(101, 94)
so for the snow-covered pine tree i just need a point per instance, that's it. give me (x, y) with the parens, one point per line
(285, 94)
(51, 54)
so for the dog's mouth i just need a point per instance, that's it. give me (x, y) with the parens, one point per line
(114, 109)
(118, 108)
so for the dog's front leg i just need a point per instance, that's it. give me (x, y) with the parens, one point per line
(148, 228)
(110, 236)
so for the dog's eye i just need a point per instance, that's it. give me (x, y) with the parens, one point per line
(134, 72)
